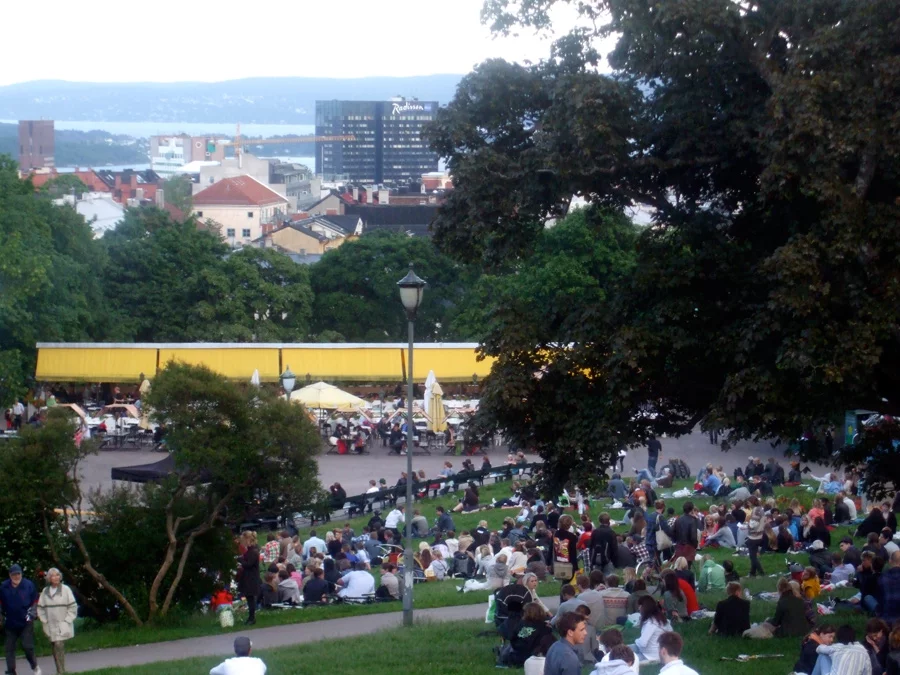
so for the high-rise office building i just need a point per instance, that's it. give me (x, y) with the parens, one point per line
(389, 148)
(35, 144)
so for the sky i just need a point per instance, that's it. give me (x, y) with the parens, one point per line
(204, 40)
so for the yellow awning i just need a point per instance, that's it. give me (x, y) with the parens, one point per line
(75, 364)
(234, 363)
(383, 364)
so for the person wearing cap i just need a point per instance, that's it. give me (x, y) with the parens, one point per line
(57, 611)
(242, 663)
(819, 557)
(18, 601)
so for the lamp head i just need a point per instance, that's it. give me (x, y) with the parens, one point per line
(412, 288)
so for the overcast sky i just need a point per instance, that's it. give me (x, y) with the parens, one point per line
(171, 40)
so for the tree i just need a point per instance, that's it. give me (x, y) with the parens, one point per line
(355, 288)
(178, 191)
(48, 271)
(226, 440)
(64, 184)
(764, 140)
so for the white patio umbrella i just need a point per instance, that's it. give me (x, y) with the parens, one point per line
(254, 379)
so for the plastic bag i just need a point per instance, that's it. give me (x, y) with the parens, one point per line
(491, 610)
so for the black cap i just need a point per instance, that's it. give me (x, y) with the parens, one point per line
(242, 645)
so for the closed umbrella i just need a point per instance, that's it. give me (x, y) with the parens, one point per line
(438, 418)
(254, 379)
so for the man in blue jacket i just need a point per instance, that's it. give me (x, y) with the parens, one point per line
(18, 607)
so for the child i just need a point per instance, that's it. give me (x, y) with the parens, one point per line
(809, 582)
(221, 603)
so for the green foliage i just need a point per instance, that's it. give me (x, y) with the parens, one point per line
(48, 266)
(64, 184)
(764, 138)
(355, 289)
(172, 282)
(178, 191)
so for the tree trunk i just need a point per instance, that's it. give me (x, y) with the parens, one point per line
(172, 524)
(185, 553)
(100, 579)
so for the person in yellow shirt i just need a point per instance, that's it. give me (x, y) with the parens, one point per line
(809, 583)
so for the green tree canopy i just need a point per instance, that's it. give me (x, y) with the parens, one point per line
(178, 191)
(764, 140)
(356, 296)
(49, 263)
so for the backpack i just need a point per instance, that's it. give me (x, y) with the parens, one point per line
(463, 565)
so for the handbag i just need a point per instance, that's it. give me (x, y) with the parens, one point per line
(563, 570)
(663, 541)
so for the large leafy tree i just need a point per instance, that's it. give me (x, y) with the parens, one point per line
(356, 296)
(764, 139)
(171, 281)
(48, 275)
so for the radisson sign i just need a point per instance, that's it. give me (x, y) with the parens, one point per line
(408, 106)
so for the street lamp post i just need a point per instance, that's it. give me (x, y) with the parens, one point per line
(288, 380)
(411, 290)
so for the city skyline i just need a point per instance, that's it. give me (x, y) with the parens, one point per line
(197, 41)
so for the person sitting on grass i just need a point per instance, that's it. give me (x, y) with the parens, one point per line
(242, 663)
(673, 598)
(611, 643)
(809, 583)
(316, 589)
(819, 557)
(820, 635)
(531, 637)
(587, 649)
(670, 647)
(438, 566)
(732, 614)
(562, 658)
(634, 599)
(357, 585)
(893, 657)
(269, 592)
(288, 589)
(653, 624)
(390, 584)
(470, 501)
(621, 661)
(569, 602)
(790, 612)
(876, 644)
(521, 592)
(712, 576)
(845, 656)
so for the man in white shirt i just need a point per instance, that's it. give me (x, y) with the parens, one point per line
(313, 542)
(395, 519)
(356, 585)
(373, 487)
(18, 411)
(670, 646)
(242, 663)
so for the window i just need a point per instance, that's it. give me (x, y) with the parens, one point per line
(199, 214)
(245, 233)
(230, 232)
(249, 214)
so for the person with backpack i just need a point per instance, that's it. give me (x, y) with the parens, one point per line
(604, 546)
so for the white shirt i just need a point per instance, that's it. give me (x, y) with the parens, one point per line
(372, 489)
(18, 408)
(677, 667)
(452, 545)
(357, 584)
(313, 542)
(394, 518)
(891, 548)
(851, 508)
(240, 665)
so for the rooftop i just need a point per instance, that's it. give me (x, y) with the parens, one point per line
(238, 191)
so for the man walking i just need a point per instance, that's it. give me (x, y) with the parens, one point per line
(654, 447)
(562, 657)
(18, 412)
(18, 607)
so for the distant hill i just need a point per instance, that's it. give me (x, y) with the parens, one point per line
(276, 100)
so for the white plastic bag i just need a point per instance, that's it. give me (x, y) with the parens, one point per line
(534, 665)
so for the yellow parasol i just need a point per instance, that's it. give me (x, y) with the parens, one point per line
(326, 396)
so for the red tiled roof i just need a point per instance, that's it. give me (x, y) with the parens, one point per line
(89, 178)
(238, 191)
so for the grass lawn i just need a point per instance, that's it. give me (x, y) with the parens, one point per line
(430, 595)
(455, 648)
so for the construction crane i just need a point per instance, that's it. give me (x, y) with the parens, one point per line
(238, 142)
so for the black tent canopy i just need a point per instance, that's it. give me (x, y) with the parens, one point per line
(145, 473)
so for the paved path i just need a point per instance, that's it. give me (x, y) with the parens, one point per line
(263, 638)
(354, 472)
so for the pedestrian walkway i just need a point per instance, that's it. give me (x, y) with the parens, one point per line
(263, 638)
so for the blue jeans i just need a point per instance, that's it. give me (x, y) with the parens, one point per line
(870, 604)
(651, 463)
(644, 473)
(823, 665)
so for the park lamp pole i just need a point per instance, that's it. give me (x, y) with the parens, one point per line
(411, 290)
(288, 380)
